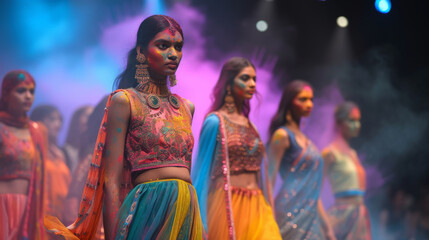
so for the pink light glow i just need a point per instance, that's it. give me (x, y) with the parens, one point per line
(79, 80)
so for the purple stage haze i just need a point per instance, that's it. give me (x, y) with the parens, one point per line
(72, 79)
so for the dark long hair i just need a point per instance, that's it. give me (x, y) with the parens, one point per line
(89, 137)
(289, 93)
(147, 31)
(229, 71)
(73, 134)
(41, 112)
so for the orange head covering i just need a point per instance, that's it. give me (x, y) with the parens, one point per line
(10, 81)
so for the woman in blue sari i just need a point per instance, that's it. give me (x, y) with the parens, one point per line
(299, 212)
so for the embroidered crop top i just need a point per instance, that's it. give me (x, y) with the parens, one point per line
(16, 155)
(346, 174)
(159, 132)
(245, 149)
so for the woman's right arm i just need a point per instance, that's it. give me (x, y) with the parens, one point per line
(116, 128)
(279, 144)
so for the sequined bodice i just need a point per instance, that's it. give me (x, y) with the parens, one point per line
(245, 148)
(159, 132)
(16, 155)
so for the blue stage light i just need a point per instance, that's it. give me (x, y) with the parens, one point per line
(154, 6)
(383, 6)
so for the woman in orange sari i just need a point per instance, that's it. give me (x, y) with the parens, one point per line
(57, 173)
(227, 175)
(22, 150)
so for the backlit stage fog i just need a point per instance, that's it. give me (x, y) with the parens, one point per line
(76, 49)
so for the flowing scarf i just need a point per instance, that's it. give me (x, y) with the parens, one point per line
(20, 122)
(32, 223)
(204, 168)
(91, 205)
(33, 219)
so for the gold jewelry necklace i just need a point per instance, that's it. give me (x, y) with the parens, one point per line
(154, 90)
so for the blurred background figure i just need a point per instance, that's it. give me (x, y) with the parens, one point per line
(298, 208)
(394, 216)
(86, 148)
(22, 150)
(418, 228)
(56, 171)
(78, 125)
(349, 216)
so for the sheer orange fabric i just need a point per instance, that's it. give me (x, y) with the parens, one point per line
(91, 205)
(57, 178)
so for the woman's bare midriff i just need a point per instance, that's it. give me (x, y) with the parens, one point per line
(180, 173)
(14, 186)
(357, 200)
(247, 180)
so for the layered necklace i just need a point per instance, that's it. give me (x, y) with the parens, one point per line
(156, 89)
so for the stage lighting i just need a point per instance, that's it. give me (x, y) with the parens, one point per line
(342, 22)
(154, 6)
(383, 6)
(262, 26)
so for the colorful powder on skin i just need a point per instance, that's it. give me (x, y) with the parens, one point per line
(105, 61)
(278, 136)
(21, 77)
(119, 130)
(307, 88)
(119, 119)
(353, 122)
(352, 126)
(241, 84)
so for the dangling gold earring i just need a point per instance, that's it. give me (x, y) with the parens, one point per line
(173, 80)
(229, 102)
(142, 75)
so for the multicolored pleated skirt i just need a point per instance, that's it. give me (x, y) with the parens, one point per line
(163, 209)
(253, 217)
(350, 221)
